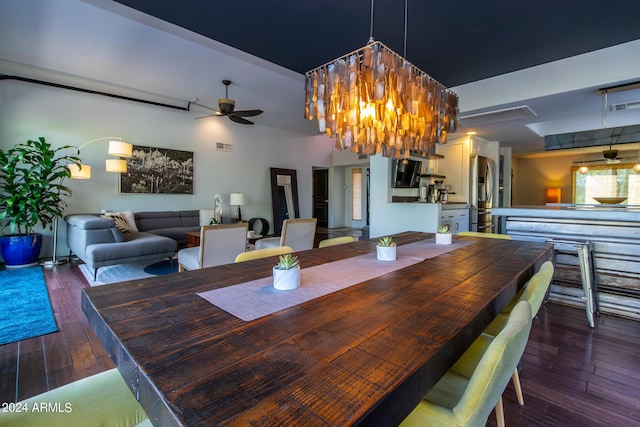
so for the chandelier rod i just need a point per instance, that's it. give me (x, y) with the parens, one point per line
(405, 28)
(371, 24)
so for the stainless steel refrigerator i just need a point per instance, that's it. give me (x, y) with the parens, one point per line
(481, 194)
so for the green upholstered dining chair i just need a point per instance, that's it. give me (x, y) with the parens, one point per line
(263, 253)
(103, 399)
(534, 293)
(488, 235)
(336, 241)
(466, 394)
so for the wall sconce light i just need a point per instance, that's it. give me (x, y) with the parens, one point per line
(554, 195)
(117, 148)
(237, 199)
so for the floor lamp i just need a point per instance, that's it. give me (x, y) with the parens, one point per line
(117, 148)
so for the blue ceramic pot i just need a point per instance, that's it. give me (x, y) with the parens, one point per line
(21, 250)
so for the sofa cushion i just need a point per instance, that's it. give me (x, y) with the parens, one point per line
(176, 233)
(154, 220)
(190, 218)
(137, 246)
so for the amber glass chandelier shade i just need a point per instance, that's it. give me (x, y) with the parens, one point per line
(373, 101)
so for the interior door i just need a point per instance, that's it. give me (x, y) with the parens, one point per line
(321, 196)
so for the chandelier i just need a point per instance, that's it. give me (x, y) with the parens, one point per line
(374, 101)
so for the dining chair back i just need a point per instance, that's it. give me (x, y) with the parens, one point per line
(219, 244)
(263, 253)
(534, 293)
(102, 399)
(336, 241)
(298, 233)
(459, 399)
(487, 235)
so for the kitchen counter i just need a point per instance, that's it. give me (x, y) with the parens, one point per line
(614, 232)
(598, 212)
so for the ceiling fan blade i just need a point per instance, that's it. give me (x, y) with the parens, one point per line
(240, 120)
(247, 113)
(217, 114)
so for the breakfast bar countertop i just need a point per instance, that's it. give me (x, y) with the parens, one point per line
(362, 355)
(571, 211)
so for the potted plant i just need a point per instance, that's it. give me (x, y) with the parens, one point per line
(443, 235)
(31, 193)
(286, 274)
(386, 249)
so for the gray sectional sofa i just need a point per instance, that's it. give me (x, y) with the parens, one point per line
(97, 242)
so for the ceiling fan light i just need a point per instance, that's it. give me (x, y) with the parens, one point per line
(226, 105)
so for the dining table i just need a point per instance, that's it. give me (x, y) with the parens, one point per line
(360, 341)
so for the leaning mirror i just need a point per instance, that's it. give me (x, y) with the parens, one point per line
(284, 196)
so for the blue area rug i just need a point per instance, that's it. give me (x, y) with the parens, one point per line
(25, 306)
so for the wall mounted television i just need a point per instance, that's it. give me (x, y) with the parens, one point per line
(406, 173)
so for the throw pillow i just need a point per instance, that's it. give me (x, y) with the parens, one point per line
(206, 215)
(128, 216)
(118, 221)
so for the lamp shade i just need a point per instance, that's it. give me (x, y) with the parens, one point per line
(554, 195)
(116, 165)
(79, 172)
(236, 199)
(120, 149)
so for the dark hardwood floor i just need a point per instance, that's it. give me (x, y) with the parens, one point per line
(572, 375)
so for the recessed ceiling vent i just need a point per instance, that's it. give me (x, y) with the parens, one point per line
(495, 116)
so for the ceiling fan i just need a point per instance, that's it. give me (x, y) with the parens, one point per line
(609, 156)
(226, 107)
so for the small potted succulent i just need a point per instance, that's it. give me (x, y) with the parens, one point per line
(443, 235)
(386, 249)
(286, 274)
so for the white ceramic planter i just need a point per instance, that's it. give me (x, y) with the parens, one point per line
(443, 238)
(286, 280)
(386, 253)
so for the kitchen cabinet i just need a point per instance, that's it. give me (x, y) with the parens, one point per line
(457, 219)
(455, 166)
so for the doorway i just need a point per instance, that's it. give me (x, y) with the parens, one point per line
(321, 196)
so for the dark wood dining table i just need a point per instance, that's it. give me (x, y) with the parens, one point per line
(363, 355)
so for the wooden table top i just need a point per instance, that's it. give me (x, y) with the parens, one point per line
(364, 355)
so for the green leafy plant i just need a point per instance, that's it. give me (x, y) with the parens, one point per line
(386, 241)
(443, 229)
(288, 262)
(31, 189)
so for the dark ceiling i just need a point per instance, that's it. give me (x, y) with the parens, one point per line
(456, 42)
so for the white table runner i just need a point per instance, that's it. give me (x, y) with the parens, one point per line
(257, 298)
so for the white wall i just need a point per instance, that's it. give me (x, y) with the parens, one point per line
(67, 117)
(389, 218)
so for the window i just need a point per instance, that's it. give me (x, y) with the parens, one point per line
(606, 181)
(356, 194)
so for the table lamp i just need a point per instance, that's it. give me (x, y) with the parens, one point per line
(237, 199)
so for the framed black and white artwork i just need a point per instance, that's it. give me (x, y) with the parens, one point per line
(153, 170)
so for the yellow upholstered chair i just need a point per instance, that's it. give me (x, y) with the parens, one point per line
(336, 241)
(263, 253)
(99, 400)
(466, 394)
(489, 235)
(219, 244)
(297, 233)
(534, 293)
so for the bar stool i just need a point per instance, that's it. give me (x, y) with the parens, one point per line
(584, 250)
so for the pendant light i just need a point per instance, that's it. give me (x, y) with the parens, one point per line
(374, 101)
(583, 169)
